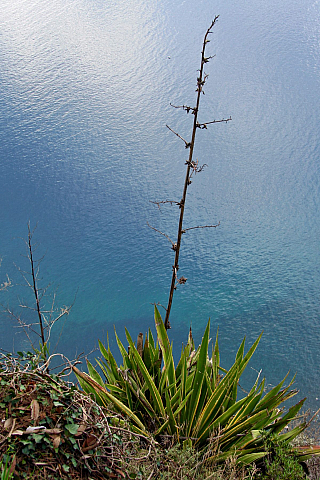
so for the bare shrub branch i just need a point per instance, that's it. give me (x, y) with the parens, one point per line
(44, 306)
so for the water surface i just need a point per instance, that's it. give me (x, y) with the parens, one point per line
(85, 93)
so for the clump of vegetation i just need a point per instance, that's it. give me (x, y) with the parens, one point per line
(282, 462)
(196, 402)
(51, 430)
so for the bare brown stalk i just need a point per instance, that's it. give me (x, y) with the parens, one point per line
(192, 167)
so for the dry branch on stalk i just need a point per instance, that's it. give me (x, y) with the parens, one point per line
(192, 168)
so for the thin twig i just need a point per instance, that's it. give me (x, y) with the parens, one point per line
(200, 226)
(164, 234)
(187, 144)
(184, 107)
(204, 125)
(158, 304)
(162, 202)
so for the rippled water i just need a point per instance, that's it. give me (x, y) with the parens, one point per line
(85, 92)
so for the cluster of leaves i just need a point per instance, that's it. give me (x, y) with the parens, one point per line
(195, 402)
(49, 429)
(282, 463)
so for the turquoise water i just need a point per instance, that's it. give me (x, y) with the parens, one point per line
(85, 92)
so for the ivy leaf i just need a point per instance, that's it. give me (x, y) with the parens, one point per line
(37, 437)
(72, 428)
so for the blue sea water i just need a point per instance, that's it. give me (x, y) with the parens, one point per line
(85, 96)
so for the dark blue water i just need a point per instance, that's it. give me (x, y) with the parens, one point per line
(85, 92)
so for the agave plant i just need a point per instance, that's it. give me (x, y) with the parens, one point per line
(196, 401)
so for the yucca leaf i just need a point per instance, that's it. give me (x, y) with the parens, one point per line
(215, 363)
(166, 348)
(292, 434)
(185, 352)
(283, 422)
(190, 340)
(158, 405)
(202, 399)
(162, 335)
(220, 422)
(123, 351)
(252, 400)
(181, 406)
(166, 377)
(244, 361)
(151, 342)
(231, 436)
(94, 374)
(147, 354)
(209, 385)
(249, 354)
(232, 397)
(249, 458)
(215, 402)
(183, 380)
(162, 428)
(111, 362)
(269, 419)
(224, 418)
(105, 395)
(172, 422)
(106, 355)
(240, 351)
(176, 399)
(233, 452)
(129, 396)
(135, 393)
(270, 400)
(189, 381)
(105, 370)
(86, 387)
(184, 391)
(103, 350)
(198, 380)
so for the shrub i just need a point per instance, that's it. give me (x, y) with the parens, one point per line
(195, 402)
(282, 463)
